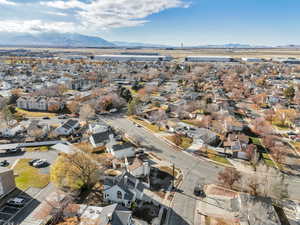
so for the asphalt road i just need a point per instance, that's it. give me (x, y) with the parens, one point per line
(194, 170)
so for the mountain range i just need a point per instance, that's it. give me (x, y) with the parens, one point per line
(51, 39)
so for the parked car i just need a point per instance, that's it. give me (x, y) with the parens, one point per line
(113, 110)
(13, 150)
(140, 152)
(16, 202)
(4, 163)
(46, 118)
(62, 117)
(31, 162)
(38, 163)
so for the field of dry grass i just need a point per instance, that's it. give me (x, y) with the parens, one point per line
(179, 54)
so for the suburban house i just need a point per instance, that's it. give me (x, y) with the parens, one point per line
(7, 181)
(40, 103)
(138, 168)
(83, 214)
(121, 151)
(124, 189)
(97, 128)
(79, 84)
(68, 127)
(100, 139)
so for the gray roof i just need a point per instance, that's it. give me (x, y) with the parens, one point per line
(101, 137)
(121, 216)
(120, 147)
(70, 124)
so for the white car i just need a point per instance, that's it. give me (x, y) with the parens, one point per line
(40, 163)
(17, 202)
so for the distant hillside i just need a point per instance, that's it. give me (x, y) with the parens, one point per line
(53, 39)
(138, 44)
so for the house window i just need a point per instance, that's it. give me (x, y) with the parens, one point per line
(119, 195)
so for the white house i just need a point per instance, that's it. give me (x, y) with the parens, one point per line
(138, 168)
(121, 151)
(68, 127)
(124, 189)
(100, 139)
(97, 128)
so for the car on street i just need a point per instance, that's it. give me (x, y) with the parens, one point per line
(137, 125)
(46, 118)
(198, 191)
(16, 202)
(4, 163)
(62, 117)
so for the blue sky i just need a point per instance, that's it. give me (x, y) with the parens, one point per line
(193, 22)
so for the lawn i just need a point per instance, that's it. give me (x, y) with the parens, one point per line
(280, 127)
(268, 161)
(37, 149)
(28, 176)
(213, 156)
(296, 145)
(196, 123)
(152, 127)
(23, 112)
(256, 140)
(186, 142)
(168, 170)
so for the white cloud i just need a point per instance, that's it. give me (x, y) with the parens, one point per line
(105, 14)
(6, 2)
(33, 26)
(90, 17)
(64, 4)
(56, 13)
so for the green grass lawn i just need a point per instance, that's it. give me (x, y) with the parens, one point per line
(220, 159)
(28, 176)
(256, 140)
(212, 155)
(268, 161)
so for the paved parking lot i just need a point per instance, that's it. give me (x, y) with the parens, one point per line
(7, 212)
(50, 156)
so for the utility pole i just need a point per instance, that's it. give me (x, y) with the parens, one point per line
(173, 176)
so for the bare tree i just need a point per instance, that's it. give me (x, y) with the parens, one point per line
(266, 182)
(86, 111)
(158, 116)
(229, 176)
